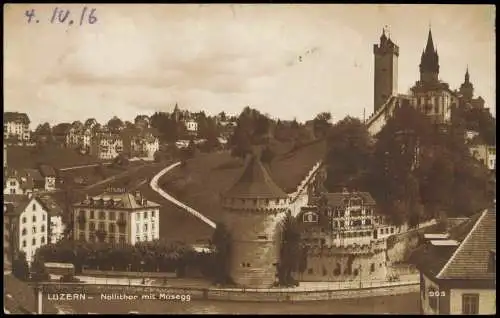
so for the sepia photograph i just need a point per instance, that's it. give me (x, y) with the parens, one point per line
(249, 159)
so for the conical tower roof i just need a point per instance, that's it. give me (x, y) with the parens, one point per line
(255, 183)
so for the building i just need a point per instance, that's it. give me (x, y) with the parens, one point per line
(79, 136)
(142, 122)
(467, 94)
(485, 154)
(116, 216)
(344, 238)
(253, 209)
(457, 271)
(431, 96)
(107, 146)
(140, 143)
(49, 175)
(55, 213)
(386, 70)
(27, 221)
(16, 126)
(19, 182)
(191, 127)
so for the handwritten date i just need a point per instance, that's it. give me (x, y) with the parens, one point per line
(63, 16)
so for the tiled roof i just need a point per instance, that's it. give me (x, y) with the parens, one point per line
(336, 198)
(470, 258)
(35, 174)
(47, 171)
(23, 177)
(255, 182)
(15, 116)
(15, 203)
(124, 200)
(50, 205)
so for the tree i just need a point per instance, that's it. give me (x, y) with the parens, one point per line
(221, 240)
(348, 154)
(290, 253)
(38, 271)
(115, 124)
(20, 267)
(321, 124)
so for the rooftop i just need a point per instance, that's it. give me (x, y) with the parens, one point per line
(15, 117)
(255, 182)
(469, 257)
(117, 200)
(337, 198)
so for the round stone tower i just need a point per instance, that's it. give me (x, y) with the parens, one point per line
(253, 210)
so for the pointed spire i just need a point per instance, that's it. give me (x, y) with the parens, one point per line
(429, 48)
(467, 77)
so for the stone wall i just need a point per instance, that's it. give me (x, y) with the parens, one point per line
(336, 267)
(399, 246)
(255, 246)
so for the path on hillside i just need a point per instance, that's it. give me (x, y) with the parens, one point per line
(84, 166)
(154, 185)
(113, 178)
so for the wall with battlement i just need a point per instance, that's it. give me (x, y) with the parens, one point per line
(326, 266)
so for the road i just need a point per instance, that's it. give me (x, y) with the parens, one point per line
(154, 185)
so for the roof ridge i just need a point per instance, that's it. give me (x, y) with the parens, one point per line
(462, 244)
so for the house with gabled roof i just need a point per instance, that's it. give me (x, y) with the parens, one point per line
(457, 271)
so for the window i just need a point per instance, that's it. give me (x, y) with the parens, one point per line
(145, 214)
(23, 232)
(43, 229)
(262, 237)
(138, 238)
(43, 217)
(34, 218)
(42, 240)
(470, 304)
(34, 207)
(91, 214)
(24, 220)
(145, 227)
(111, 215)
(152, 214)
(91, 226)
(372, 267)
(33, 241)
(34, 229)
(24, 243)
(310, 271)
(112, 228)
(102, 216)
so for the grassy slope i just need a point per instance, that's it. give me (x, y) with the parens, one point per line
(28, 157)
(207, 175)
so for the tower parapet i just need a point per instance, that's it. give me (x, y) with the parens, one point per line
(386, 55)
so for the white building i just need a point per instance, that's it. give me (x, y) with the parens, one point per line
(107, 146)
(458, 273)
(192, 127)
(27, 220)
(16, 126)
(117, 216)
(55, 213)
(49, 175)
(140, 143)
(485, 154)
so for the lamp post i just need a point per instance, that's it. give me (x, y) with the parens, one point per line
(142, 273)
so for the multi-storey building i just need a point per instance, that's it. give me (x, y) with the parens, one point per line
(458, 270)
(106, 146)
(79, 136)
(191, 127)
(116, 216)
(49, 175)
(27, 221)
(16, 126)
(23, 182)
(140, 143)
(55, 213)
(344, 237)
(485, 154)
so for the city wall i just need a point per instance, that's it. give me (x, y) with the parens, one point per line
(267, 295)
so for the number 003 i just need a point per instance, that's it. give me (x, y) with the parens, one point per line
(437, 294)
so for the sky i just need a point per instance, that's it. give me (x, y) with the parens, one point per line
(288, 61)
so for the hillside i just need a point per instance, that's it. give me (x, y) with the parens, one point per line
(28, 157)
(208, 175)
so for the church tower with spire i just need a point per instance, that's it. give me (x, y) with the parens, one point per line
(467, 89)
(429, 62)
(386, 70)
